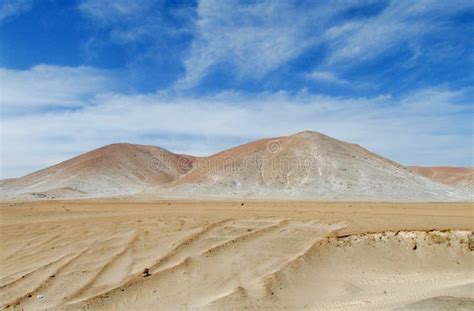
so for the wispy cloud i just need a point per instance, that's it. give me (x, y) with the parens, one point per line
(128, 21)
(10, 8)
(252, 38)
(401, 23)
(255, 39)
(416, 128)
(109, 11)
(45, 86)
(132, 21)
(327, 77)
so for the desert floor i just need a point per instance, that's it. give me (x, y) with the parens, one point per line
(186, 255)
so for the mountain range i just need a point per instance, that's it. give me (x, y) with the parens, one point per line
(307, 165)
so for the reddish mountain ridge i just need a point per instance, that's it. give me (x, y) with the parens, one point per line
(113, 170)
(460, 177)
(307, 165)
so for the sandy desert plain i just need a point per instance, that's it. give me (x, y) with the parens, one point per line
(233, 255)
(68, 242)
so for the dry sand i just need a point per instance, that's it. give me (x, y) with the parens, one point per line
(186, 255)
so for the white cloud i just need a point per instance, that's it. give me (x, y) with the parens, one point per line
(250, 39)
(253, 38)
(10, 8)
(49, 86)
(327, 77)
(401, 23)
(256, 38)
(431, 126)
(109, 11)
(127, 22)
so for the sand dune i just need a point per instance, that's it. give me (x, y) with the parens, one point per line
(189, 255)
(307, 165)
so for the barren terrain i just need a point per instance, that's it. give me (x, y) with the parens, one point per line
(228, 255)
(461, 177)
(307, 165)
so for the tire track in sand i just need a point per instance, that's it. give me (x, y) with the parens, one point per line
(128, 247)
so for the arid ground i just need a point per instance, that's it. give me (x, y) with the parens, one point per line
(221, 255)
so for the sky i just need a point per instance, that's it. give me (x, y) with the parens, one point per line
(197, 77)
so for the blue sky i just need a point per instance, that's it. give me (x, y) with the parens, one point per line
(199, 76)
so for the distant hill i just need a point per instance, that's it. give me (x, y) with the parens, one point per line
(113, 170)
(307, 165)
(460, 177)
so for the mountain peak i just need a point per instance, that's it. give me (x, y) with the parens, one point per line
(308, 134)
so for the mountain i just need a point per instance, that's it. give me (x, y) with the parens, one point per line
(117, 169)
(307, 165)
(459, 177)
